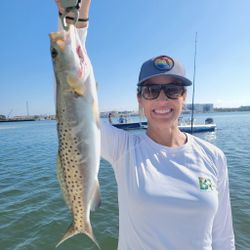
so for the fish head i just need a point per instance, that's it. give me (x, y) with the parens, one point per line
(67, 52)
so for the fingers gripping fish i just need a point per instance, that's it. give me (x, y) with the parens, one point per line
(78, 129)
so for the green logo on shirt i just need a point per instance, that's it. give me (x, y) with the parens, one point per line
(206, 184)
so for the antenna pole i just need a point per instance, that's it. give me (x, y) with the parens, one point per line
(27, 108)
(194, 75)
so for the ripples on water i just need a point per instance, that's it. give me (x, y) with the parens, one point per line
(33, 214)
(32, 211)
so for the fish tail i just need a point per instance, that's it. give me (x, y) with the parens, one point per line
(72, 231)
(89, 231)
(69, 233)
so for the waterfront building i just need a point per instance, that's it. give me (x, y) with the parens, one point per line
(200, 108)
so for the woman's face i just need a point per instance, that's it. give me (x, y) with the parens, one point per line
(162, 111)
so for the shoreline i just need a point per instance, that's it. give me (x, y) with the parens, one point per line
(128, 113)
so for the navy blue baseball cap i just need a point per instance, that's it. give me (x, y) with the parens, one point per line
(163, 65)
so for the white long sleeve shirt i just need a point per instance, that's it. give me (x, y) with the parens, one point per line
(169, 198)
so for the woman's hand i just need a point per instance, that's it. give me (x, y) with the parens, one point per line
(83, 12)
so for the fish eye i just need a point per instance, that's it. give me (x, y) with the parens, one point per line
(54, 53)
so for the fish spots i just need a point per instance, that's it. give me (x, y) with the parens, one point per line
(72, 174)
(78, 210)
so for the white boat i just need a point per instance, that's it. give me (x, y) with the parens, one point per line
(209, 126)
(197, 128)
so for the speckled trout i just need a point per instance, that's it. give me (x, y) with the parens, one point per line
(78, 130)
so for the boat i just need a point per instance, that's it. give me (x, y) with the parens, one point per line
(209, 126)
(189, 127)
(131, 125)
(198, 128)
(18, 120)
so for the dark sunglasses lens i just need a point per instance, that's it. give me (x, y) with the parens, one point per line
(173, 92)
(151, 92)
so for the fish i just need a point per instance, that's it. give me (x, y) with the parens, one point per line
(78, 130)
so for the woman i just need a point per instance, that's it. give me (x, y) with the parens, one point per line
(173, 189)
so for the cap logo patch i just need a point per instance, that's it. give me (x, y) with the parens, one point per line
(164, 63)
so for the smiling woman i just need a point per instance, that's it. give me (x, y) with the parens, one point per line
(168, 180)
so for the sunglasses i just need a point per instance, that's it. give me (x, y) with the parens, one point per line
(152, 91)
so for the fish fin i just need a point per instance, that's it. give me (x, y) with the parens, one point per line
(69, 233)
(96, 114)
(60, 177)
(72, 231)
(89, 231)
(76, 84)
(96, 197)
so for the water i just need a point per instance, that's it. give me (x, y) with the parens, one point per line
(33, 214)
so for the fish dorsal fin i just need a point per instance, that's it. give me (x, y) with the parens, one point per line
(96, 197)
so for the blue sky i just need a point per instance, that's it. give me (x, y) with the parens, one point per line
(123, 34)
